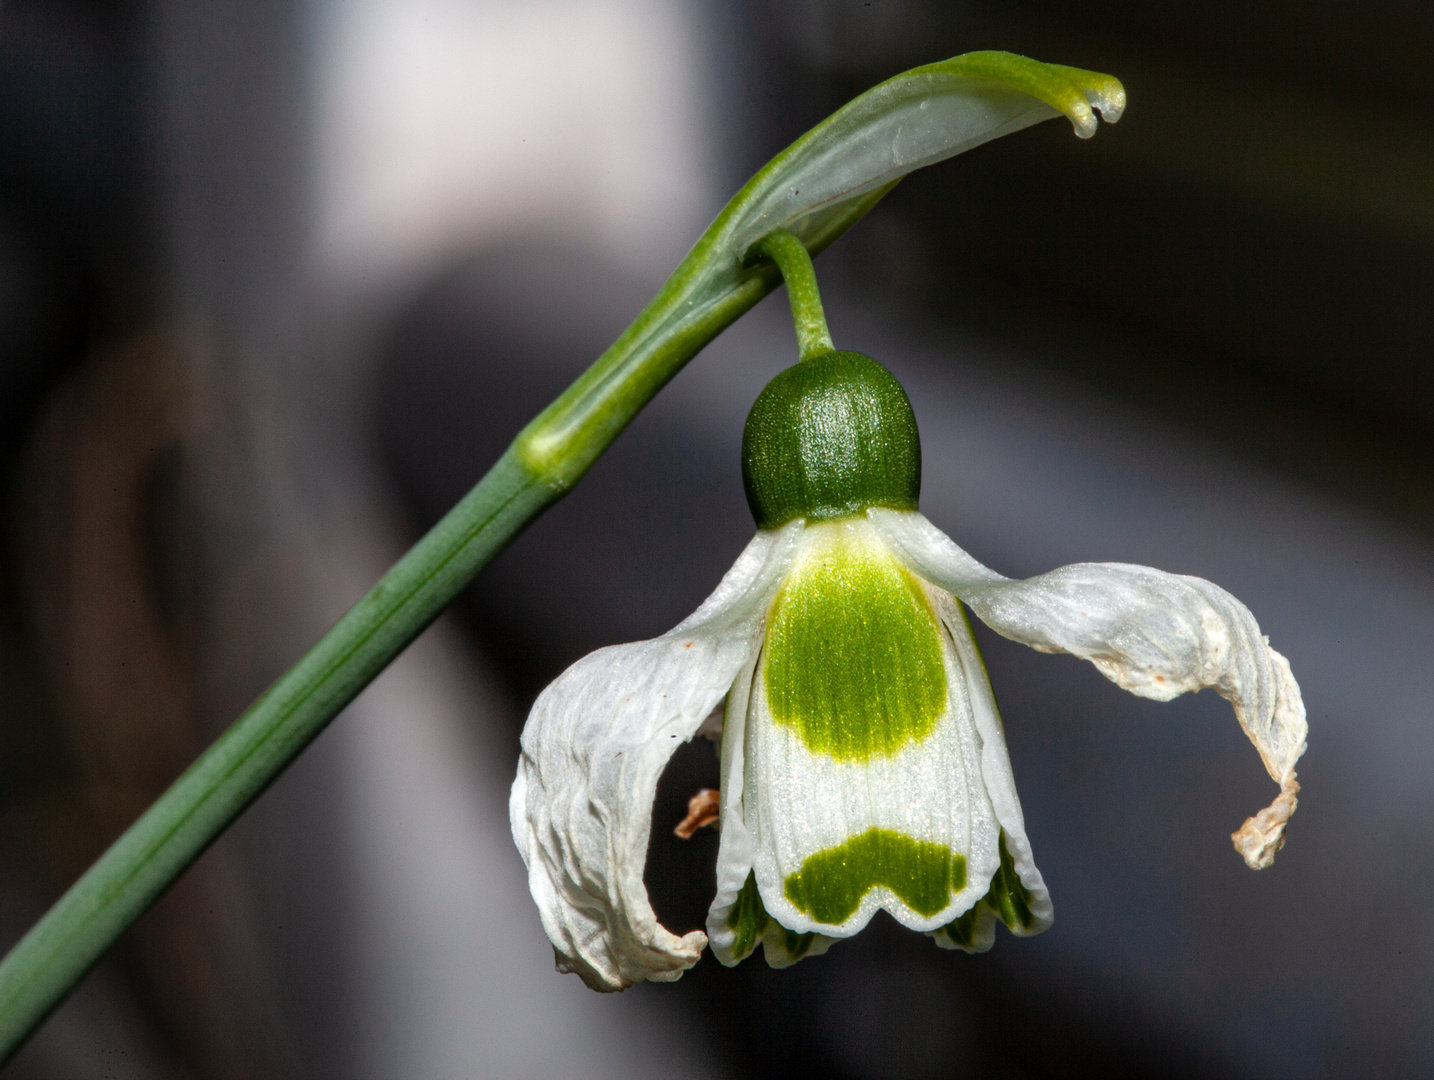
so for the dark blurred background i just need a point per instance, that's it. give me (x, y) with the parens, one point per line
(279, 280)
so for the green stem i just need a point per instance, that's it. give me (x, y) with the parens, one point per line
(790, 255)
(818, 188)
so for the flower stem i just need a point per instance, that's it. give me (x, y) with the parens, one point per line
(790, 255)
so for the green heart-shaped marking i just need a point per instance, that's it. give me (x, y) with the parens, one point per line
(831, 883)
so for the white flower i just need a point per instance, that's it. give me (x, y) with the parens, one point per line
(863, 762)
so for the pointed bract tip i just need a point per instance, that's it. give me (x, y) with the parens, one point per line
(1107, 95)
(1102, 93)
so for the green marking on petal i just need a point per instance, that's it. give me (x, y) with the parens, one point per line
(853, 655)
(962, 929)
(748, 918)
(831, 883)
(798, 944)
(1007, 898)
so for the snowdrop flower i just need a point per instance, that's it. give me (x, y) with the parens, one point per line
(863, 765)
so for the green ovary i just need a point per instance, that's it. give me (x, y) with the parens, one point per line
(831, 883)
(853, 654)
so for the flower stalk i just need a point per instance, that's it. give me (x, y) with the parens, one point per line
(800, 277)
(814, 191)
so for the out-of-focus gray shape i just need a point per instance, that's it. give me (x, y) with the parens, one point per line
(100, 535)
(393, 934)
(440, 125)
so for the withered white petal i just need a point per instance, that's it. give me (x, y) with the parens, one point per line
(593, 748)
(1155, 634)
(734, 851)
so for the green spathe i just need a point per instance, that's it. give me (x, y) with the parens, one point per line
(831, 883)
(853, 657)
(828, 438)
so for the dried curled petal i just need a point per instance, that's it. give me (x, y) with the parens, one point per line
(1157, 635)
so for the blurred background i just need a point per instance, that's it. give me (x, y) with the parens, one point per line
(280, 279)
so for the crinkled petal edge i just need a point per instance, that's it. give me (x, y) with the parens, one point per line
(594, 746)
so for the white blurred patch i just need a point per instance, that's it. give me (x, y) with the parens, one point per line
(442, 123)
